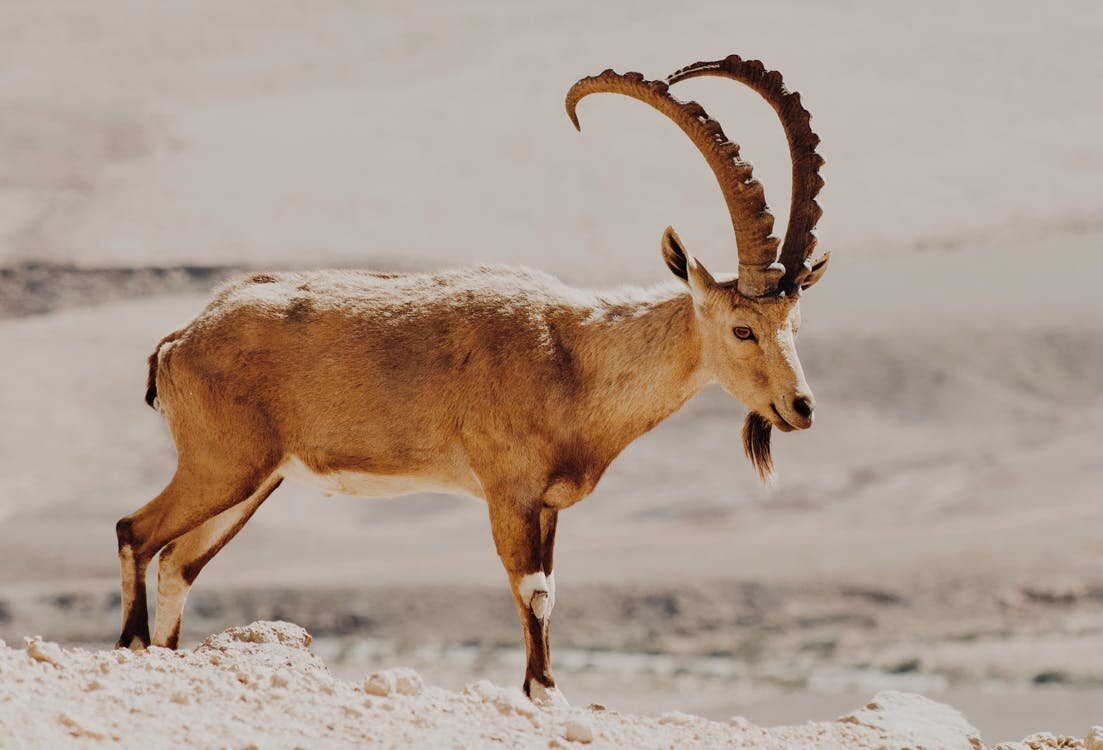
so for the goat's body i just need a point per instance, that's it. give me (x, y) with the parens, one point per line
(379, 385)
(502, 384)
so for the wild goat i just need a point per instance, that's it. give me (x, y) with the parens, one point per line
(498, 383)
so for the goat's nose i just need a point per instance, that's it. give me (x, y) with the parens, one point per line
(803, 405)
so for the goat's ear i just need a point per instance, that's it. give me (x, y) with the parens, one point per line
(685, 266)
(818, 269)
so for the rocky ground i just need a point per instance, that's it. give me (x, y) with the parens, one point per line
(261, 686)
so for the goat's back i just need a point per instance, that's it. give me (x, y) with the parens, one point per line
(388, 371)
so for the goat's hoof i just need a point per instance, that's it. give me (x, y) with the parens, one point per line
(134, 643)
(547, 697)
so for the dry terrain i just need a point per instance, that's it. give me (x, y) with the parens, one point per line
(937, 532)
(260, 686)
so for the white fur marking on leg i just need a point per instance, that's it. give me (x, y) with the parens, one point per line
(126, 569)
(172, 591)
(551, 592)
(534, 592)
(540, 605)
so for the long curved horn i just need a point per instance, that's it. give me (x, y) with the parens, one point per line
(759, 273)
(804, 211)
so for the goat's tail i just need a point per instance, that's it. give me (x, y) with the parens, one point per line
(151, 379)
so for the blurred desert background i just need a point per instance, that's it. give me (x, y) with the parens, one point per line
(940, 530)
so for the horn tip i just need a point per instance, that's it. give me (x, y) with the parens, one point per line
(573, 114)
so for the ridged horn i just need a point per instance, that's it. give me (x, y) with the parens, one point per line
(759, 272)
(804, 211)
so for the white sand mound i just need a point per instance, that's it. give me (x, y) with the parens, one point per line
(260, 686)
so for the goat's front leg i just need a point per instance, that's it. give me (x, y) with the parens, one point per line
(524, 538)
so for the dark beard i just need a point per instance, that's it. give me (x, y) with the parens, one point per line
(756, 444)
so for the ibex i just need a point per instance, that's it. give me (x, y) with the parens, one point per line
(499, 383)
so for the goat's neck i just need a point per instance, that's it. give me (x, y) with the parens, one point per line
(641, 356)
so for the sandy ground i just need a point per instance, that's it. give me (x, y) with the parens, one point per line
(936, 532)
(260, 686)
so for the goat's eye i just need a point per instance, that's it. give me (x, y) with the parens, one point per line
(743, 333)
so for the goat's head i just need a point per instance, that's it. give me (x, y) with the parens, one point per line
(747, 326)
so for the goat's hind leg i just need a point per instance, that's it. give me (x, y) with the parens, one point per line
(187, 501)
(182, 559)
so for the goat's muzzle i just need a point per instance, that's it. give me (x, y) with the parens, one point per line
(794, 413)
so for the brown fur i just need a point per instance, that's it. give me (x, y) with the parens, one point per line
(503, 384)
(499, 383)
